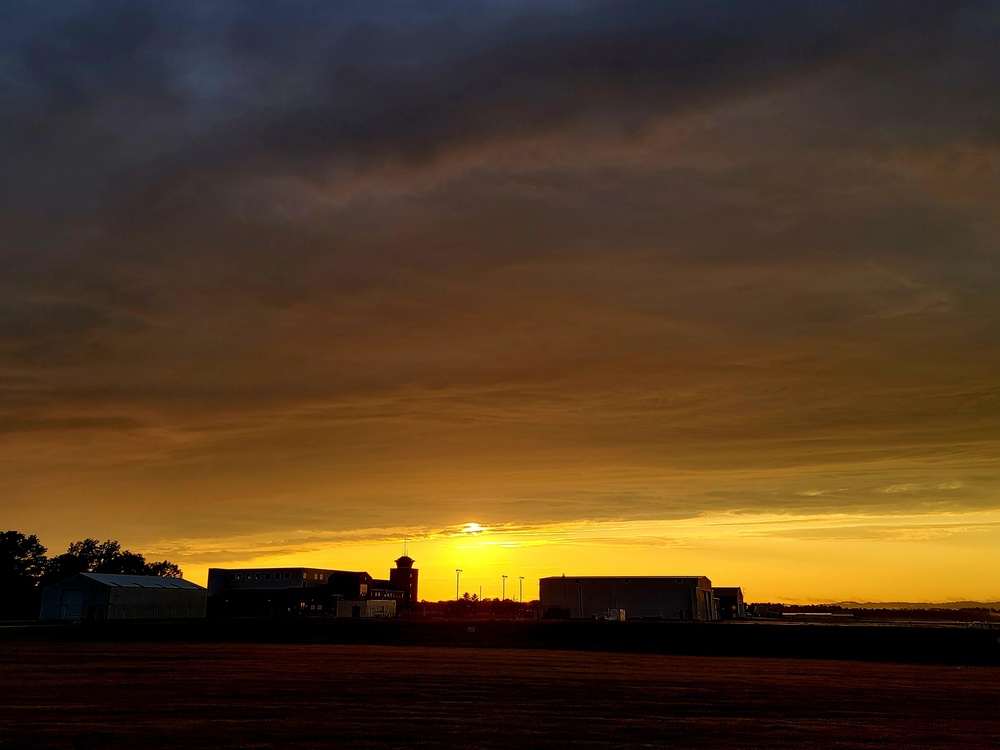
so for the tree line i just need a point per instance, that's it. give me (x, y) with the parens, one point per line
(26, 568)
(471, 607)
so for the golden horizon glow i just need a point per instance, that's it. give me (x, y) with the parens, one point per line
(786, 558)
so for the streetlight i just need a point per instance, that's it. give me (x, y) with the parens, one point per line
(503, 588)
(520, 589)
(458, 576)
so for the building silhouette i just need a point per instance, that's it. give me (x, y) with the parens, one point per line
(404, 578)
(105, 596)
(280, 592)
(731, 604)
(649, 597)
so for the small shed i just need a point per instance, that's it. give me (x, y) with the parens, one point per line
(103, 596)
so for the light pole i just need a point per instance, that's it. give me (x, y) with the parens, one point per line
(458, 577)
(520, 589)
(503, 588)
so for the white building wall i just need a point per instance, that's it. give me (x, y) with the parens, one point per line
(367, 608)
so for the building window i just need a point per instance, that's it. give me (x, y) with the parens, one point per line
(267, 576)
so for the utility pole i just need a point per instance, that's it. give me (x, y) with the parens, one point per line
(458, 577)
(503, 588)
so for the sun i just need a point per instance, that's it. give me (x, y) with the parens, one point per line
(473, 528)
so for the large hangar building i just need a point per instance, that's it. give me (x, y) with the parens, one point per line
(661, 598)
(103, 596)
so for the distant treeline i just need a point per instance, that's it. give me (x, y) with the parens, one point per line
(471, 607)
(25, 568)
(967, 612)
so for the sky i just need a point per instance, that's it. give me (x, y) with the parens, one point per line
(635, 288)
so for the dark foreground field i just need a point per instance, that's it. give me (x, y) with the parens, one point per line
(202, 695)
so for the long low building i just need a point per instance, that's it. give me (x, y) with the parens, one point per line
(104, 596)
(652, 597)
(279, 592)
(271, 592)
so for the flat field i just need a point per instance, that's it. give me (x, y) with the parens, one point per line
(155, 695)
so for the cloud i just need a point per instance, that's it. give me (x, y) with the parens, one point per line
(222, 87)
(566, 260)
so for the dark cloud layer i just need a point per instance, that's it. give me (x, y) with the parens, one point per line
(142, 91)
(381, 262)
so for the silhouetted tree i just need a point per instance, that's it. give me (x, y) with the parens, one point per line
(21, 557)
(63, 566)
(92, 556)
(22, 561)
(164, 569)
(99, 557)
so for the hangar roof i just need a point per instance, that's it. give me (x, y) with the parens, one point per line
(141, 582)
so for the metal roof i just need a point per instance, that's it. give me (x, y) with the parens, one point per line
(141, 582)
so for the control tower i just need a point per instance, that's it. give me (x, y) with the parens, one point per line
(404, 578)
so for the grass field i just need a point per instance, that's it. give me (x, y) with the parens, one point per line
(155, 695)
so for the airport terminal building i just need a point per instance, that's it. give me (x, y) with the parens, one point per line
(278, 592)
(641, 597)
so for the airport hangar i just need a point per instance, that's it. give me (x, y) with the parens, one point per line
(277, 592)
(731, 604)
(641, 597)
(105, 596)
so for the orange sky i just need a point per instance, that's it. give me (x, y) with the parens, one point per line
(702, 289)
